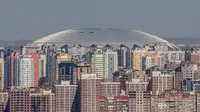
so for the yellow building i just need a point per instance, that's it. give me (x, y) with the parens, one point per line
(137, 59)
(63, 57)
(1, 74)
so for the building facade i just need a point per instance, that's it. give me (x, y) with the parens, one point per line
(66, 97)
(90, 91)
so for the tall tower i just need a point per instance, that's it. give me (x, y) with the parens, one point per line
(1, 74)
(90, 91)
(66, 97)
(52, 67)
(26, 71)
(42, 69)
(111, 62)
(97, 62)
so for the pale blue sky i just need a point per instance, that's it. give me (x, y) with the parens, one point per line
(32, 19)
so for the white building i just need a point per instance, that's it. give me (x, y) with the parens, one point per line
(161, 82)
(148, 62)
(111, 62)
(97, 63)
(26, 71)
(42, 65)
(104, 63)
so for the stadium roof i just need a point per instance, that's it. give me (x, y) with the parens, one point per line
(89, 36)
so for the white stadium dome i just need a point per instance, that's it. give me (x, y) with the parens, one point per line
(89, 36)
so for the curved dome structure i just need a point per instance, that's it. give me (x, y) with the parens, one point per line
(89, 36)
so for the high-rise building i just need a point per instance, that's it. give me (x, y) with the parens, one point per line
(146, 63)
(111, 62)
(1, 74)
(139, 101)
(173, 100)
(90, 91)
(161, 62)
(104, 62)
(109, 89)
(97, 64)
(198, 102)
(42, 101)
(52, 67)
(83, 68)
(66, 99)
(2, 50)
(173, 56)
(67, 72)
(4, 101)
(19, 99)
(140, 75)
(190, 73)
(26, 71)
(161, 82)
(178, 78)
(42, 69)
(12, 70)
(122, 76)
(63, 57)
(113, 104)
(31, 100)
(137, 58)
(136, 85)
(30, 48)
(36, 58)
(196, 86)
(122, 55)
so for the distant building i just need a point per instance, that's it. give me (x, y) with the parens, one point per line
(30, 48)
(20, 100)
(178, 78)
(140, 75)
(31, 100)
(2, 52)
(198, 102)
(83, 68)
(11, 70)
(42, 69)
(109, 89)
(104, 63)
(1, 74)
(190, 72)
(139, 101)
(3, 101)
(52, 66)
(161, 82)
(26, 71)
(90, 88)
(67, 72)
(113, 104)
(97, 64)
(173, 101)
(111, 62)
(42, 101)
(66, 99)
(136, 85)
(137, 58)
(122, 76)
(160, 47)
(196, 86)
(124, 56)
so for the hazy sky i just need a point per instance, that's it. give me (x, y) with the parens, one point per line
(32, 19)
